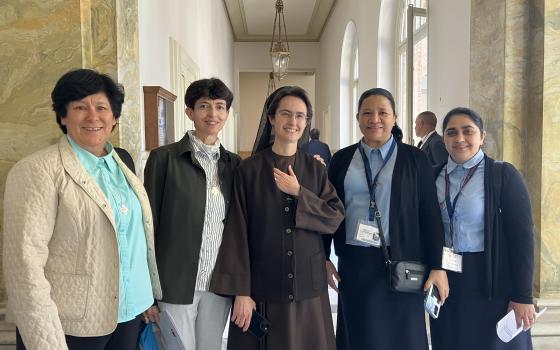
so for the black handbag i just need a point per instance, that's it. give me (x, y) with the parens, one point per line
(407, 276)
(404, 276)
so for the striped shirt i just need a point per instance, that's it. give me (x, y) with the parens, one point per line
(215, 210)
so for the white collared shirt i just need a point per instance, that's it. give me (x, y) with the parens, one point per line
(427, 136)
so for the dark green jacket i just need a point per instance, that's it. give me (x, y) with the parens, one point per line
(176, 186)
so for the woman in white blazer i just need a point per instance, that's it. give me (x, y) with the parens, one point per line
(79, 261)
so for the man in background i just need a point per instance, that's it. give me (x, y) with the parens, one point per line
(315, 147)
(432, 142)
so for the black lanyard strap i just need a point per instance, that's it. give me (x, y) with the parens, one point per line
(451, 206)
(373, 185)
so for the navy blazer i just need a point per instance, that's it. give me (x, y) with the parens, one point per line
(314, 147)
(508, 233)
(415, 225)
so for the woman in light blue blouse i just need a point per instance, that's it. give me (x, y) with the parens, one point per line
(79, 254)
(380, 176)
(486, 213)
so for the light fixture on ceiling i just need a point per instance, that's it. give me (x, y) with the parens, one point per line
(279, 48)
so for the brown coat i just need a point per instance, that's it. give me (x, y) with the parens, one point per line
(272, 248)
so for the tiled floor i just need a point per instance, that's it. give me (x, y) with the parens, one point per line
(540, 342)
(7, 334)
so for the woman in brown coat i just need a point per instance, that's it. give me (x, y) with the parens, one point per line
(272, 258)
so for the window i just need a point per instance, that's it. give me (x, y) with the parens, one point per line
(349, 78)
(419, 82)
(356, 134)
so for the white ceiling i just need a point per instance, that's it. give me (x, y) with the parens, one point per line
(252, 20)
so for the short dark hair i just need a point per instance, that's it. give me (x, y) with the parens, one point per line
(466, 111)
(314, 134)
(79, 83)
(377, 92)
(429, 117)
(285, 91)
(212, 88)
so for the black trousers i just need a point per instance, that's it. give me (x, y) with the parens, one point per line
(124, 337)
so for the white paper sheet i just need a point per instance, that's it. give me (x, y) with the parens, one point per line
(506, 328)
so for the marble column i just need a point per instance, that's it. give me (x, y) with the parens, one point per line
(487, 69)
(40, 41)
(515, 85)
(517, 31)
(549, 282)
(128, 53)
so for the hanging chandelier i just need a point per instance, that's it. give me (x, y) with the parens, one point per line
(279, 48)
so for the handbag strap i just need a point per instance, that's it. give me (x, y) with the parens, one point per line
(372, 183)
(381, 234)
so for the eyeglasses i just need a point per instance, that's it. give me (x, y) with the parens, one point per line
(285, 114)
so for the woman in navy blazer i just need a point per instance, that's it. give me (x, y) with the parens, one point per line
(370, 315)
(491, 228)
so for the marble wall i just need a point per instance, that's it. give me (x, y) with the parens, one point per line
(516, 55)
(550, 217)
(534, 126)
(41, 40)
(487, 58)
(515, 85)
(128, 52)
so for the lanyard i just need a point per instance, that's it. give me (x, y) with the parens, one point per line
(373, 186)
(451, 206)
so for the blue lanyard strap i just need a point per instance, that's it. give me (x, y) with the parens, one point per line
(373, 185)
(451, 206)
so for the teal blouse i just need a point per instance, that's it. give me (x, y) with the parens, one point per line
(135, 288)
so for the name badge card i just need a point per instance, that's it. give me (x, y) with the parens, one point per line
(452, 261)
(367, 232)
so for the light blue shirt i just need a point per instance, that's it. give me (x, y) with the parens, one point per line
(356, 192)
(468, 219)
(135, 288)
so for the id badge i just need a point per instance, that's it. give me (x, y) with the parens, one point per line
(452, 261)
(367, 232)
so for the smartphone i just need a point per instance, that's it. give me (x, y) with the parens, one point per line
(259, 325)
(432, 303)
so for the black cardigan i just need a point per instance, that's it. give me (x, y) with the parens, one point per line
(415, 223)
(508, 233)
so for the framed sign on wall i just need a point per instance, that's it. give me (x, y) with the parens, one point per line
(159, 116)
